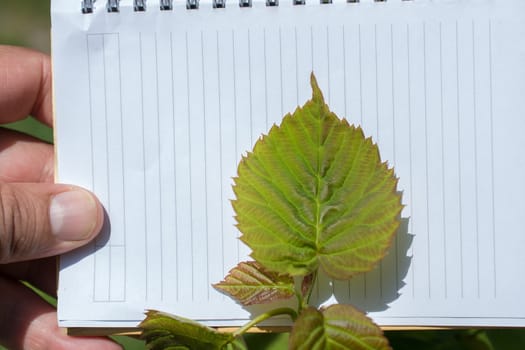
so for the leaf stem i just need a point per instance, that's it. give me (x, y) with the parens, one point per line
(262, 317)
(311, 287)
(300, 301)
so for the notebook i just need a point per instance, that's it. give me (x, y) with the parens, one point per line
(156, 102)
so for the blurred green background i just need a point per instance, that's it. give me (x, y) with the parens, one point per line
(27, 23)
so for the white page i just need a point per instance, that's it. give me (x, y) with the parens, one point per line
(154, 110)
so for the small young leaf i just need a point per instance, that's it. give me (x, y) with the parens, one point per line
(314, 192)
(162, 331)
(336, 327)
(249, 283)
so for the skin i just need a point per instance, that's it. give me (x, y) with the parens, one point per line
(27, 245)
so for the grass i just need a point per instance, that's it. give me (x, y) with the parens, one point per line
(32, 127)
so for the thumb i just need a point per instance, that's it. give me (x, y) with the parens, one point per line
(39, 220)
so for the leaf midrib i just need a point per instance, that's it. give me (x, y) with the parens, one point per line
(318, 225)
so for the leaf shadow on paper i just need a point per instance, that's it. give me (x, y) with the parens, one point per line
(374, 290)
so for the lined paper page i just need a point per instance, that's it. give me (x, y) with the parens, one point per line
(154, 110)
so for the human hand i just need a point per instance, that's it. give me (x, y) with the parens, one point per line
(38, 219)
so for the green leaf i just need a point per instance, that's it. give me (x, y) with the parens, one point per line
(314, 192)
(162, 331)
(249, 283)
(336, 327)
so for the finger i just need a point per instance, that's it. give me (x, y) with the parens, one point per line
(41, 220)
(24, 158)
(25, 85)
(28, 323)
(41, 273)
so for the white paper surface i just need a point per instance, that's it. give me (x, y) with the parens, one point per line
(154, 110)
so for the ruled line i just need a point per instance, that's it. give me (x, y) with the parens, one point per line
(106, 134)
(219, 96)
(345, 93)
(161, 231)
(443, 183)
(280, 73)
(376, 69)
(296, 68)
(190, 175)
(122, 154)
(205, 141)
(265, 83)
(328, 64)
(376, 83)
(360, 74)
(312, 47)
(108, 193)
(237, 152)
(427, 182)
(491, 113)
(92, 142)
(141, 73)
(459, 164)
(174, 161)
(394, 115)
(413, 262)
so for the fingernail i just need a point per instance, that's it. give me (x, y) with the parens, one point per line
(73, 215)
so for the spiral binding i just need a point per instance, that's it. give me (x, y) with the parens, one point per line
(139, 5)
(219, 4)
(88, 6)
(192, 4)
(112, 6)
(166, 5)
